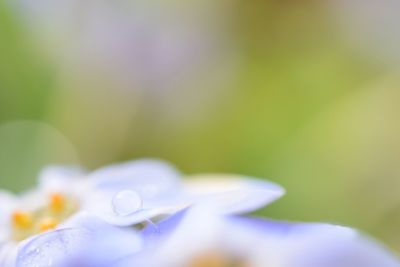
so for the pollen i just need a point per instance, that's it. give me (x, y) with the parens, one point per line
(47, 224)
(210, 259)
(57, 203)
(216, 259)
(22, 220)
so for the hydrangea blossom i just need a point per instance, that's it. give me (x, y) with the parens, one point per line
(200, 237)
(73, 214)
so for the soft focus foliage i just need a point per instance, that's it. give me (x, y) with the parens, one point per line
(303, 92)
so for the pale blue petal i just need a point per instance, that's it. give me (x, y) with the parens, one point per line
(150, 178)
(160, 192)
(337, 250)
(317, 244)
(153, 181)
(8, 253)
(277, 244)
(232, 194)
(100, 203)
(82, 239)
(52, 249)
(152, 233)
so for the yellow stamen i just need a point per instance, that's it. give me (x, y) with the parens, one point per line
(210, 259)
(57, 203)
(47, 224)
(22, 220)
(216, 259)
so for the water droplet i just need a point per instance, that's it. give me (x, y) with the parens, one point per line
(126, 202)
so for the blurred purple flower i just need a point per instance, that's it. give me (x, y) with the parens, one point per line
(147, 44)
(199, 237)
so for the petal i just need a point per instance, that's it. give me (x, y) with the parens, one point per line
(8, 253)
(148, 177)
(52, 248)
(315, 245)
(232, 193)
(58, 178)
(84, 240)
(101, 204)
(164, 227)
(147, 184)
(263, 242)
(113, 242)
(337, 248)
(8, 202)
(228, 194)
(183, 236)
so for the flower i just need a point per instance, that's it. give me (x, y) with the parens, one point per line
(199, 237)
(72, 211)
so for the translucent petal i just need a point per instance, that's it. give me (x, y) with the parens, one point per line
(150, 178)
(228, 194)
(58, 178)
(153, 232)
(336, 247)
(113, 242)
(130, 193)
(231, 193)
(101, 203)
(313, 245)
(262, 242)
(8, 202)
(51, 249)
(84, 239)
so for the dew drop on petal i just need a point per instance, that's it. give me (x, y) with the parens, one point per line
(126, 202)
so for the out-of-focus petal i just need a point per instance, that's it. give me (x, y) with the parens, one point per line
(227, 193)
(336, 247)
(261, 243)
(83, 239)
(314, 245)
(58, 178)
(111, 241)
(132, 192)
(150, 178)
(162, 228)
(182, 236)
(51, 248)
(8, 253)
(8, 202)
(232, 193)
(102, 205)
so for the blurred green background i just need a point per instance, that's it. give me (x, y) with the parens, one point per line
(305, 93)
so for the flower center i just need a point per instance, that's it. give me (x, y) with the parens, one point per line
(27, 223)
(215, 259)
